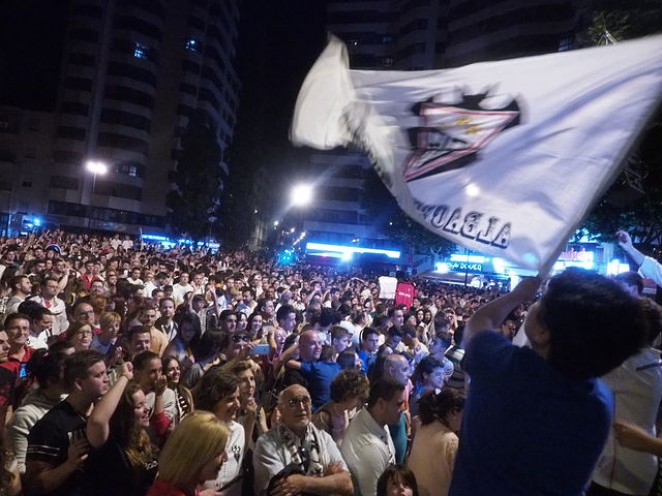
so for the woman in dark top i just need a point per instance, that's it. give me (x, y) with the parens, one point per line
(123, 459)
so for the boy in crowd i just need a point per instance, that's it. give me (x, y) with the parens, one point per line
(536, 419)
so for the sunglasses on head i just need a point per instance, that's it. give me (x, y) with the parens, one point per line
(240, 338)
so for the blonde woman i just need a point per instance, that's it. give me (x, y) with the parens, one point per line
(192, 455)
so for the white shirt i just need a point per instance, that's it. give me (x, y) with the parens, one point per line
(368, 450)
(232, 467)
(38, 342)
(651, 269)
(149, 287)
(58, 308)
(179, 291)
(271, 456)
(637, 387)
(169, 404)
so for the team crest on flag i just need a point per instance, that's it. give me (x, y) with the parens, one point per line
(505, 158)
(451, 135)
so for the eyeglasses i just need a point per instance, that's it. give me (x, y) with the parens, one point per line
(238, 339)
(300, 400)
(84, 333)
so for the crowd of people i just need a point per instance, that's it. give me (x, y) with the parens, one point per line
(128, 368)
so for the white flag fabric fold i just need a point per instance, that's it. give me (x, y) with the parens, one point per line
(504, 158)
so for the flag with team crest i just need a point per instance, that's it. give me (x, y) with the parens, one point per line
(505, 158)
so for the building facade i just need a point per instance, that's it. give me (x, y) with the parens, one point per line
(133, 73)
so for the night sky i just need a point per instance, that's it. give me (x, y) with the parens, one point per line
(279, 41)
(31, 35)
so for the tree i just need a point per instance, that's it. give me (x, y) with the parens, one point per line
(199, 181)
(642, 214)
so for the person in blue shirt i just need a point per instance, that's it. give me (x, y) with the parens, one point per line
(317, 367)
(536, 419)
(368, 351)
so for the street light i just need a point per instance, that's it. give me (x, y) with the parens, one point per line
(302, 195)
(96, 167)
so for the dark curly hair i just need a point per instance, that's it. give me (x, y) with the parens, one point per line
(437, 406)
(349, 384)
(215, 385)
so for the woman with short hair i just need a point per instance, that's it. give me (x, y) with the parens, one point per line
(218, 392)
(432, 456)
(79, 334)
(349, 391)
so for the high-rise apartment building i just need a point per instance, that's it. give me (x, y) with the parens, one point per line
(503, 29)
(133, 73)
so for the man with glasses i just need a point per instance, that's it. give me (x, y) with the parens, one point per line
(298, 456)
(165, 323)
(83, 312)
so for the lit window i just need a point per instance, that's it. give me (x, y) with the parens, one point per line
(140, 51)
(193, 45)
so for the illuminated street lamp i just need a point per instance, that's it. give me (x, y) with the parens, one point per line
(302, 195)
(96, 167)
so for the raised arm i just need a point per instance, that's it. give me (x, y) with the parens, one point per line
(490, 316)
(98, 425)
(625, 242)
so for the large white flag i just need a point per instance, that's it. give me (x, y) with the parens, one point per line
(505, 157)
